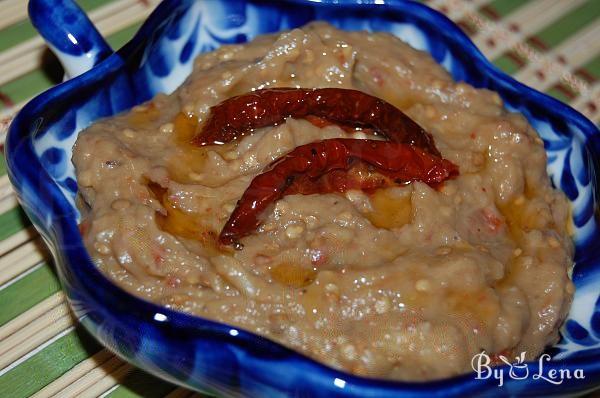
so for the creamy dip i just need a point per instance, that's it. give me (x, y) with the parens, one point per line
(404, 283)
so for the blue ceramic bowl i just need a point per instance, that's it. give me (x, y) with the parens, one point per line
(209, 356)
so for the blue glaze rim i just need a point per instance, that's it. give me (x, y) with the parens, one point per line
(25, 168)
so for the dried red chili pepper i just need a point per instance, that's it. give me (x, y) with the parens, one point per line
(236, 116)
(320, 166)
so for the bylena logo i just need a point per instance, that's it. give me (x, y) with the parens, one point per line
(519, 370)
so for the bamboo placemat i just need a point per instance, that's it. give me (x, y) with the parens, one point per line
(552, 45)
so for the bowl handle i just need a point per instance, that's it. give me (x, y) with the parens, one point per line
(70, 34)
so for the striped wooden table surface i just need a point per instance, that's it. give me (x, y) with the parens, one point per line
(552, 45)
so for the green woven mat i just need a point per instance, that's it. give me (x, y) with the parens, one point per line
(552, 45)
